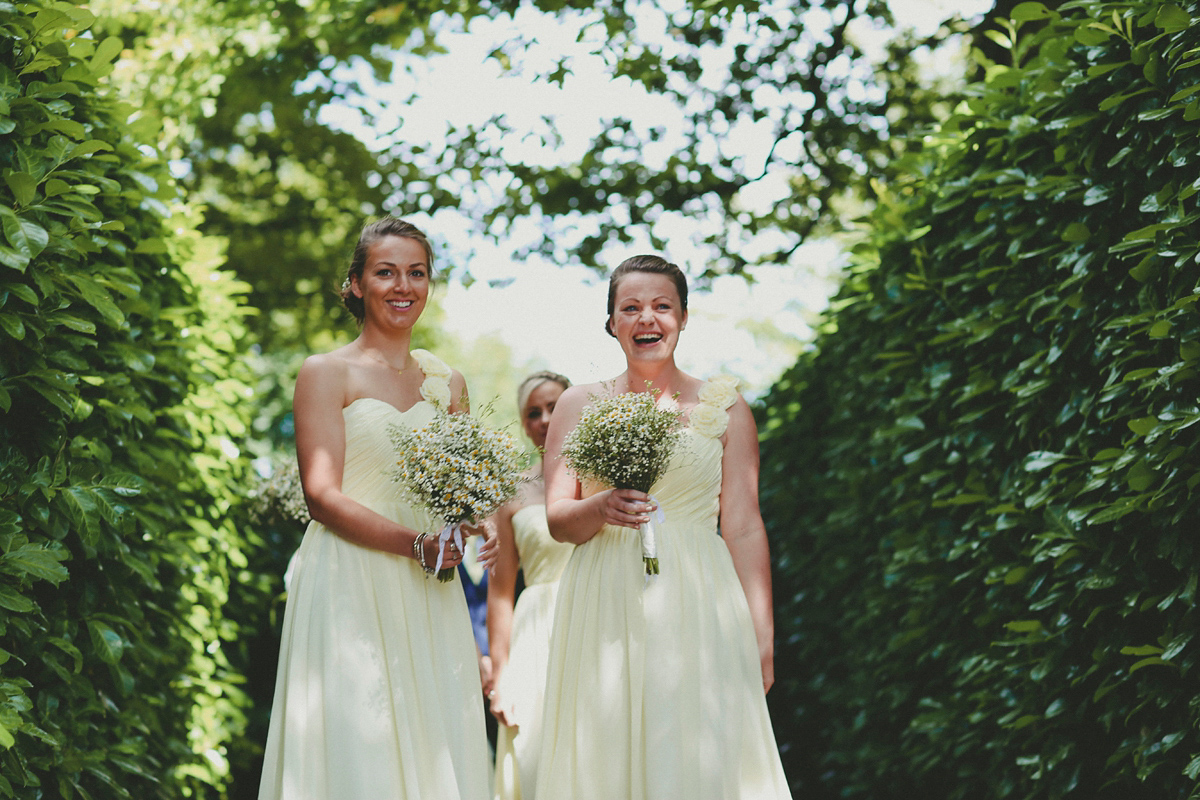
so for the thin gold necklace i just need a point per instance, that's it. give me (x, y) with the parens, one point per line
(385, 362)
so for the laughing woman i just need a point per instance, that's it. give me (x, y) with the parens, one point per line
(378, 693)
(656, 685)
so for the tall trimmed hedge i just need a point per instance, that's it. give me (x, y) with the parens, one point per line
(120, 391)
(982, 482)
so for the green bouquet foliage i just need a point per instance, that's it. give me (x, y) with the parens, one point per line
(982, 483)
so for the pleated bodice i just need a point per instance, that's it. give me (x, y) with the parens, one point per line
(542, 558)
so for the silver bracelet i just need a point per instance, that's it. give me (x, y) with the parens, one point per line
(419, 553)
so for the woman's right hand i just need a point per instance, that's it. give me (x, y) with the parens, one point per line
(627, 508)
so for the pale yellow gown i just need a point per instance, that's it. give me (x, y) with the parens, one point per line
(523, 682)
(654, 689)
(378, 694)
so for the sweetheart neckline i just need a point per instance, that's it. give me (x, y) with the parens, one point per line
(385, 403)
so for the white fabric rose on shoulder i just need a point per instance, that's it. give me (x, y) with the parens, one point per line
(431, 365)
(436, 386)
(436, 392)
(720, 392)
(708, 420)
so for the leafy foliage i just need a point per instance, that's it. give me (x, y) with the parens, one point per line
(241, 91)
(119, 442)
(984, 478)
(237, 88)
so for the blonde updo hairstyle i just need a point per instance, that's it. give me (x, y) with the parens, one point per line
(373, 232)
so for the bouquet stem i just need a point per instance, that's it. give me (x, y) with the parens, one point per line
(649, 547)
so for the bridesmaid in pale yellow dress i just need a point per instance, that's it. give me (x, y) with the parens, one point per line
(656, 684)
(378, 693)
(520, 640)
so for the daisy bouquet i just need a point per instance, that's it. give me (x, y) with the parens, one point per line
(459, 470)
(625, 441)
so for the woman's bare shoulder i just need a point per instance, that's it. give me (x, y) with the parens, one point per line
(580, 394)
(323, 372)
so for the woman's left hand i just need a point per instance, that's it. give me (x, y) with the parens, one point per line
(451, 555)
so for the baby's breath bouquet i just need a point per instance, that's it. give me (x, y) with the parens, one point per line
(457, 469)
(280, 498)
(625, 441)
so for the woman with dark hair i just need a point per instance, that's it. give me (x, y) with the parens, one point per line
(378, 692)
(520, 637)
(656, 684)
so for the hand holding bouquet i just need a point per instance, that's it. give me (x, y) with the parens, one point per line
(625, 441)
(458, 470)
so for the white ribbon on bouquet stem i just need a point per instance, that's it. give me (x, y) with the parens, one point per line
(451, 531)
(646, 529)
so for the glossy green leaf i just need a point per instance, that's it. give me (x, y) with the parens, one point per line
(1092, 34)
(1076, 232)
(1143, 425)
(1160, 329)
(1172, 19)
(24, 235)
(35, 561)
(12, 600)
(22, 185)
(1024, 626)
(1027, 11)
(106, 643)
(1141, 650)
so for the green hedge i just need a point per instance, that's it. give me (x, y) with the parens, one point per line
(982, 482)
(120, 391)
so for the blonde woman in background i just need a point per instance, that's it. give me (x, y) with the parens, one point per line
(519, 639)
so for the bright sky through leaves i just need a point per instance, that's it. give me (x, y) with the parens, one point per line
(553, 314)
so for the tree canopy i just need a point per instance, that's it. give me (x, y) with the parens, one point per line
(237, 89)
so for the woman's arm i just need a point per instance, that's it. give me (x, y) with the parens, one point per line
(321, 451)
(743, 530)
(571, 517)
(459, 401)
(502, 585)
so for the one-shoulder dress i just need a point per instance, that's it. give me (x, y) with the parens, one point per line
(654, 689)
(523, 682)
(378, 693)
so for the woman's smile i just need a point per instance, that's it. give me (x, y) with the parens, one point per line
(647, 339)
